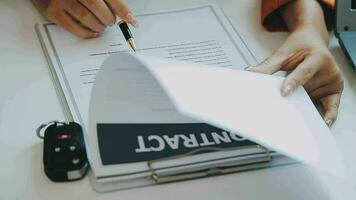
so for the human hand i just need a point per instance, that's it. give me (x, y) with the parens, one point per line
(84, 18)
(306, 56)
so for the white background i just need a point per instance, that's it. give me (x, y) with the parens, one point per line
(28, 98)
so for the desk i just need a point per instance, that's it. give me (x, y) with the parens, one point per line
(28, 98)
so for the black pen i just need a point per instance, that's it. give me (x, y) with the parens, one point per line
(127, 34)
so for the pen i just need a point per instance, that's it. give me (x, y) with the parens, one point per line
(127, 34)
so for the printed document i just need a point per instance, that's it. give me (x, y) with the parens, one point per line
(246, 103)
(196, 35)
(201, 35)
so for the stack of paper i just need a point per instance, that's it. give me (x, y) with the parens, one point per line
(138, 137)
(134, 91)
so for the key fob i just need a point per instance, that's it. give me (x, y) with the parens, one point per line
(64, 155)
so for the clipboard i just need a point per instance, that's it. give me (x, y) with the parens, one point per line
(155, 176)
(226, 168)
(152, 175)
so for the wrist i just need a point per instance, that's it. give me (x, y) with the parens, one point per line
(306, 16)
(311, 32)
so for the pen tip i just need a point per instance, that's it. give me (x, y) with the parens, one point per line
(132, 44)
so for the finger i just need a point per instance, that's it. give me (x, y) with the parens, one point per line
(100, 10)
(299, 76)
(326, 90)
(317, 82)
(68, 23)
(83, 15)
(293, 61)
(270, 65)
(331, 105)
(321, 80)
(122, 10)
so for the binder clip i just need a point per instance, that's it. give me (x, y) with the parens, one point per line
(64, 155)
(224, 168)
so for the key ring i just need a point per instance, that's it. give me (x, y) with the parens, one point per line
(39, 129)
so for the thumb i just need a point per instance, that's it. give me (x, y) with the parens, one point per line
(331, 106)
(271, 64)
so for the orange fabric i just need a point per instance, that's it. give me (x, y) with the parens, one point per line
(271, 17)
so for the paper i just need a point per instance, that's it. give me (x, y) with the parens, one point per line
(125, 92)
(251, 104)
(196, 35)
(242, 102)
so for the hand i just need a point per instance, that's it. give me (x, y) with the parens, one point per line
(310, 63)
(84, 18)
(306, 56)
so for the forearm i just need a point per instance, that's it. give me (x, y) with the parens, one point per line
(306, 14)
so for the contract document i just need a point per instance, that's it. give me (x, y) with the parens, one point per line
(244, 103)
(196, 35)
(127, 139)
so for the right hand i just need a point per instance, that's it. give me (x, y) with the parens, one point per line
(84, 18)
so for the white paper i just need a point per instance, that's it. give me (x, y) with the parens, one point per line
(250, 104)
(77, 61)
(196, 35)
(246, 103)
(126, 92)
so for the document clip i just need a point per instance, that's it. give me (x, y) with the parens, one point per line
(224, 168)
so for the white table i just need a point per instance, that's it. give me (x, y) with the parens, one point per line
(28, 98)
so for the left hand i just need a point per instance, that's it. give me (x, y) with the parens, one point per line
(311, 65)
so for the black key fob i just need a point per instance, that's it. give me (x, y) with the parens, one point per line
(64, 155)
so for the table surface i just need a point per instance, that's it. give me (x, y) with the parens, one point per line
(28, 98)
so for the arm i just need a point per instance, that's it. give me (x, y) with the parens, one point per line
(305, 55)
(308, 15)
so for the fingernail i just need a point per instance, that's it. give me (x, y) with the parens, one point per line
(286, 90)
(130, 18)
(329, 122)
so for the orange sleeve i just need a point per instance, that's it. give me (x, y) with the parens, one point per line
(272, 20)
